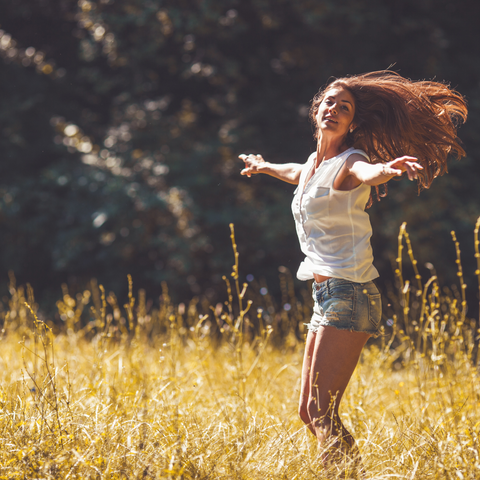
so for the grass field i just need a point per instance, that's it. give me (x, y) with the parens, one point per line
(183, 391)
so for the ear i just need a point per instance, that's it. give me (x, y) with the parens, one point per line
(352, 128)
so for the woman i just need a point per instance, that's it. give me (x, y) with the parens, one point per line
(369, 129)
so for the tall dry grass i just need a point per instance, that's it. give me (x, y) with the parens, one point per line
(192, 392)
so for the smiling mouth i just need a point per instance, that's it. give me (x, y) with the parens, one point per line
(330, 120)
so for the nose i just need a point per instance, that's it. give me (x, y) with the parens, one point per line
(333, 108)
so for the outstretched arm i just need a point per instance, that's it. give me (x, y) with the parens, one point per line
(376, 174)
(287, 172)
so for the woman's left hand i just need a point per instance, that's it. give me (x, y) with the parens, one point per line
(402, 164)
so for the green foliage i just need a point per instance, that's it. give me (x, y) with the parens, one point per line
(164, 95)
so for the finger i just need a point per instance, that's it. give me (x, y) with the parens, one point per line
(413, 164)
(412, 172)
(416, 167)
(246, 171)
(403, 160)
(412, 175)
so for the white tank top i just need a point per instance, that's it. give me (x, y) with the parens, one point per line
(333, 227)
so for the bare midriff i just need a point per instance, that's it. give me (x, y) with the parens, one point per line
(320, 278)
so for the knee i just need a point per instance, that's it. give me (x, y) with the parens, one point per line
(303, 412)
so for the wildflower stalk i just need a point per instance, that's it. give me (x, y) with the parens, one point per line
(404, 286)
(463, 285)
(423, 313)
(477, 256)
(477, 273)
(418, 277)
(240, 293)
(129, 306)
(46, 340)
(238, 330)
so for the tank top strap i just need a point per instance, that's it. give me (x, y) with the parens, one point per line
(361, 152)
(341, 159)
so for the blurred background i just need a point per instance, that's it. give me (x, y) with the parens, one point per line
(121, 122)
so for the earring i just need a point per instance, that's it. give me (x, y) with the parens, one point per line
(351, 129)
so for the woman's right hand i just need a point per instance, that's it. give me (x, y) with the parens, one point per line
(287, 172)
(400, 165)
(253, 163)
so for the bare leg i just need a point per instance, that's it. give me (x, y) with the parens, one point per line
(327, 369)
(305, 386)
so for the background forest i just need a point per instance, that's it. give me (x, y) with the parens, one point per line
(121, 122)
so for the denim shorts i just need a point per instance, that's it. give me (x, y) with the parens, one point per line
(346, 305)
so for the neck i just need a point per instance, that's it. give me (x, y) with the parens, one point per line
(329, 148)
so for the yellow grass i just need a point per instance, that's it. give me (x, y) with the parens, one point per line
(176, 393)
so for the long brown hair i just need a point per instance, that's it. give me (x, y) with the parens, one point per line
(395, 116)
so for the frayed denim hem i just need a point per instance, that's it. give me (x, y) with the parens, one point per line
(314, 329)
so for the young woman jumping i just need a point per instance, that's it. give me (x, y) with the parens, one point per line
(369, 129)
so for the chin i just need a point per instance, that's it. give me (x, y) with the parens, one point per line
(329, 126)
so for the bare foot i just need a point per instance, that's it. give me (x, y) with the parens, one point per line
(342, 459)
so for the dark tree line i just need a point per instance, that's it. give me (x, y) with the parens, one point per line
(121, 122)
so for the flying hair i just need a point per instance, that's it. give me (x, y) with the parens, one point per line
(395, 116)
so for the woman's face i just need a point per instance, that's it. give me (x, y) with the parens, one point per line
(336, 111)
